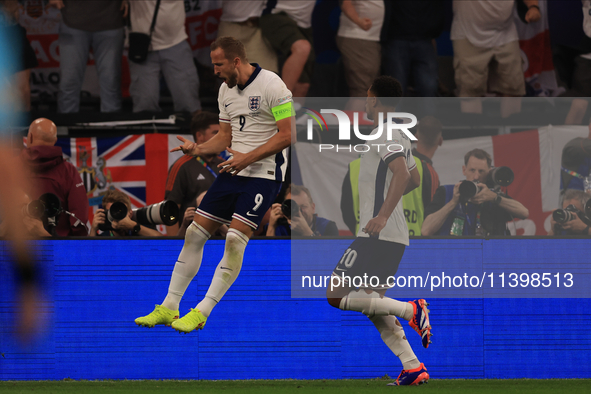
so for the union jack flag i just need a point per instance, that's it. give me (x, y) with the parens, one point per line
(136, 165)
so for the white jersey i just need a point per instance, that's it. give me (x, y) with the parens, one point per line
(250, 111)
(374, 181)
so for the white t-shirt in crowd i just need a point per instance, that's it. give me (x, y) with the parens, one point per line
(299, 11)
(372, 9)
(241, 10)
(485, 23)
(170, 22)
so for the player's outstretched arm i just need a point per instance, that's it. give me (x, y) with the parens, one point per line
(280, 141)
(218, 143)
(400, 180)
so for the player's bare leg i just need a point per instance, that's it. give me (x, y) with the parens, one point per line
(225, 274)
(184, 271)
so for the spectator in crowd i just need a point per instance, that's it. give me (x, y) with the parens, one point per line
(98, 24)
(304, 221)
(51, 174)
(190, 215)
(484, 214)
(576, 164)
(169, 53)
(428, 140)
(240, 19)
(190, 176)
(16, 37)
(570, 35)
(486, 51)
(575, 226)
(358, 39)
(119, 228)
(287, 24)
(409, 51)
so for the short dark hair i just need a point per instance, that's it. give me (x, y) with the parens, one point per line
(232, 48)
(114, 195)
(297, 190)
(387, 89)
(429, 129)
(201, 121)
(479, 154)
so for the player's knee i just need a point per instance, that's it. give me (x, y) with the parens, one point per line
(196, 235)
(234, 250)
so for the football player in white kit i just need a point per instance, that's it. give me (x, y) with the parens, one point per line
(255, 127)
(387, 172)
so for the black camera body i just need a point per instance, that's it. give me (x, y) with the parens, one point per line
(47, 206)
(497, 177)
(290, 208)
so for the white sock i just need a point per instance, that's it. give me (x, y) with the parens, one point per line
(186, 266)
(226, 272)
(373, 304)
(393, 336)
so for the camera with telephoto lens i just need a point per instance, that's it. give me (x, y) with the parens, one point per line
(117, 211)
(290, 208)
(165, 212)
(468, 189)
(47, 206)
(567, 214)
(499, 176)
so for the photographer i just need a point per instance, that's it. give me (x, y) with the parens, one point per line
(303, 221)
(49, 173)
(119, 228)
(572, 205)
(486, 213)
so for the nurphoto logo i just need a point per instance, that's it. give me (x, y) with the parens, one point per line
(344, 123)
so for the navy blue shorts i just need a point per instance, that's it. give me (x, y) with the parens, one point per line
(369, 257)
(239, 197)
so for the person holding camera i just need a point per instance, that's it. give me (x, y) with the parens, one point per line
(485, 213)
(297, 216)
(118, 228)
(570, 220)
(49, 173)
